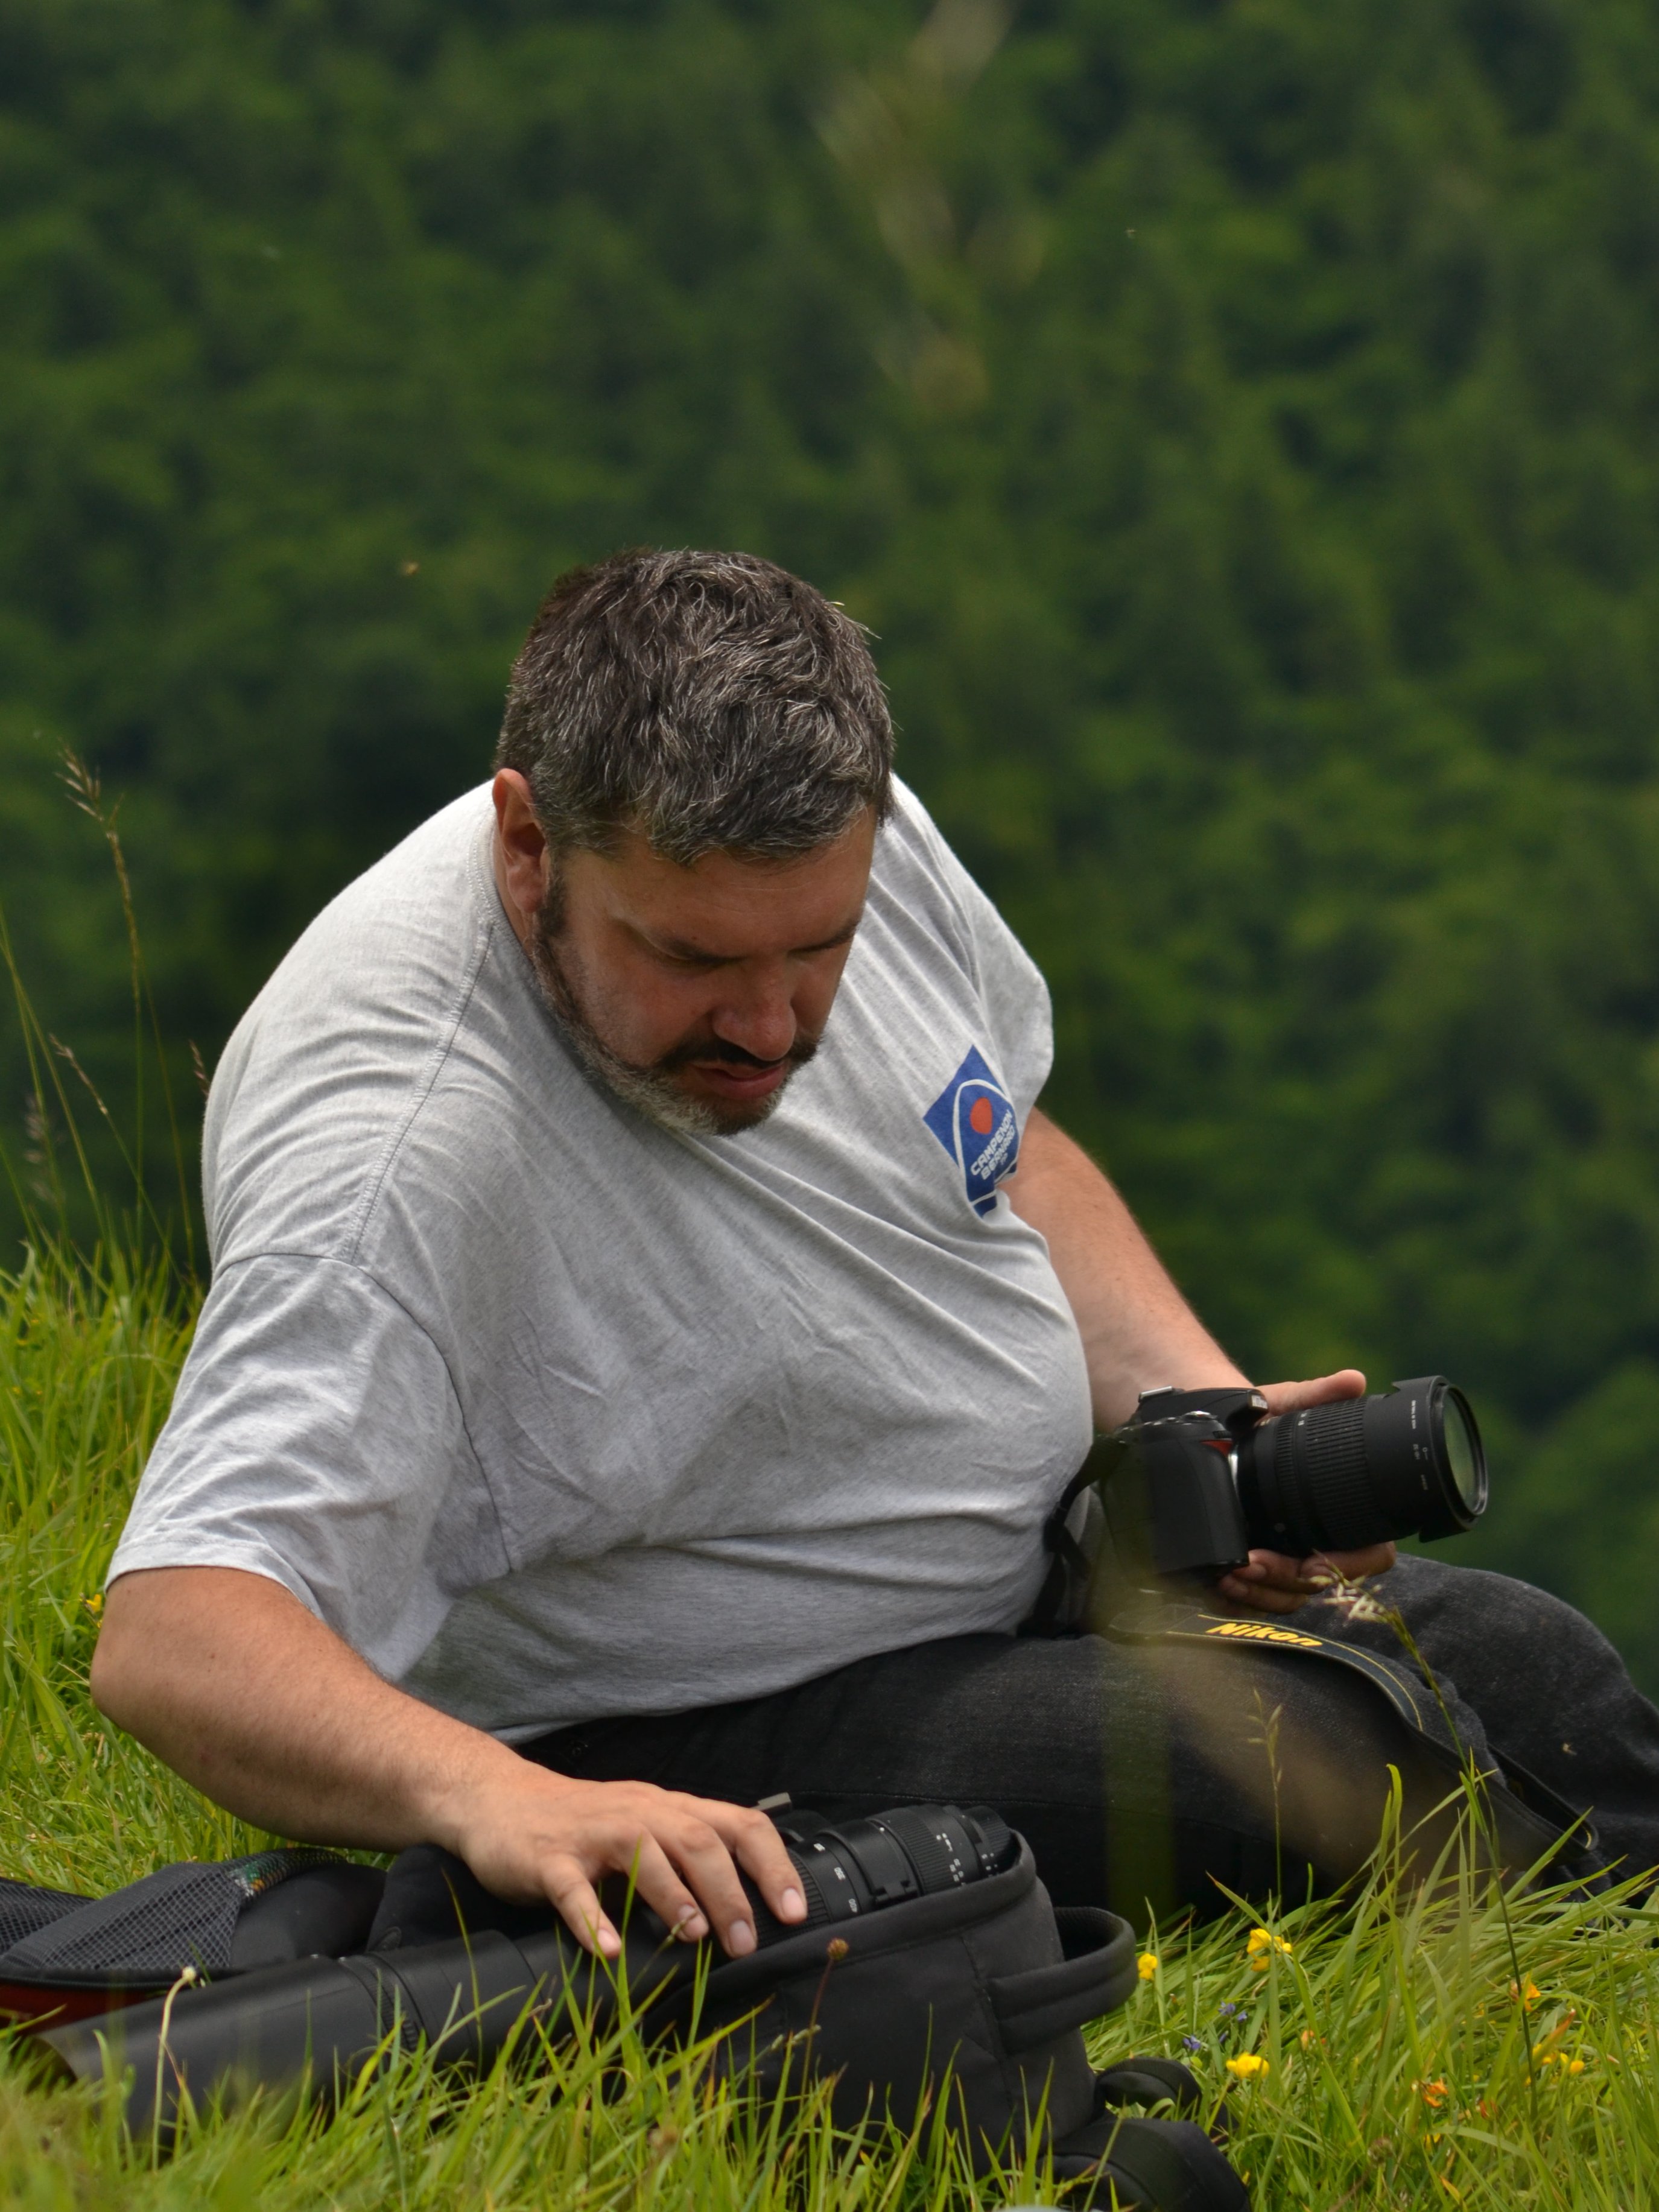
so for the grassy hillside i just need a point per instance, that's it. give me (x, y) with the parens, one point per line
(1394, 2056)
(1238, 422)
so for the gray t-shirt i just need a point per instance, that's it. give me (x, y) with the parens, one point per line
(554, 1415)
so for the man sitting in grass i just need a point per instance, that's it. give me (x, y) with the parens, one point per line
(652, 1319)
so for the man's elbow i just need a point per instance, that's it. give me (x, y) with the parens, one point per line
(184, 1648)
(105, 1680)
(115, 1678)
(150, 1644)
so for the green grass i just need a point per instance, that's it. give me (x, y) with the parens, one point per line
(1417, 2053)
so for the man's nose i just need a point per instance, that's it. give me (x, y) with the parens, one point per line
(760, 1018)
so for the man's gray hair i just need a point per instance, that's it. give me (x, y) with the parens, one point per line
(711, 701)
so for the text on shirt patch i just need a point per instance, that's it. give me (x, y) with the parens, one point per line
(973, 1117)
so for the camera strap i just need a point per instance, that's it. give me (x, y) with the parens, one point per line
(1085, 1590)
(1162, 1620)
(1533, 1821)
(1073, 1536)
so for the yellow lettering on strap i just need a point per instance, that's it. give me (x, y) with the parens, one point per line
(1259, 1632)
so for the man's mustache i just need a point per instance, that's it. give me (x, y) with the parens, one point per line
(733, 1055)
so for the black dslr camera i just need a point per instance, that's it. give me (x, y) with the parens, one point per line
(1199, 1478)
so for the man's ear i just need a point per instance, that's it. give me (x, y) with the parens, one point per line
(519, 841)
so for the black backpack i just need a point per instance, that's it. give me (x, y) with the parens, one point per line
(965, 2005)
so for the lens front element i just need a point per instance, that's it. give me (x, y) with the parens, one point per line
(1338, 1478)
(1465, 1463)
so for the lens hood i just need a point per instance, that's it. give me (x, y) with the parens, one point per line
(1407, 1462)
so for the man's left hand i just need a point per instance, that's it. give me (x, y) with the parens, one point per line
(1272, 1582)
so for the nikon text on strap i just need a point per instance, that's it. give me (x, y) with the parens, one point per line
(1532, 1824)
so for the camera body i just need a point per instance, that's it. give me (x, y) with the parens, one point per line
(1200, 1478)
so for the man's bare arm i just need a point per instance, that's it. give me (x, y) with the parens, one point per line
(1137, 1331)
(228, 1678)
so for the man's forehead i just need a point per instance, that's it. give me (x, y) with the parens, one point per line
(725, 905)
(728, 946)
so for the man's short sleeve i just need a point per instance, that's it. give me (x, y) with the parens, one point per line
(316, 1439)
(1016, 998)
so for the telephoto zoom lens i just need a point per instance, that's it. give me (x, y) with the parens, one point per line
(848, 1868)
(326, 2020)
(1402, 1462)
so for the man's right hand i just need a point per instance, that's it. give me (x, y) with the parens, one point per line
(227, 1677)
(532, 1834)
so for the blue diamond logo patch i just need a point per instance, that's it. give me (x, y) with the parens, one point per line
(974, 1118)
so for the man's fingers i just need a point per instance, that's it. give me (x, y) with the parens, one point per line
(1352, 1566)
(656, 1879)
(760, 1851)
(1260, 1597)
(1277, 1571)
(577, 1902)
(630, 1849)
(706, 1863)
(682, 1854)
(1320, 1391)
(1271, 1582)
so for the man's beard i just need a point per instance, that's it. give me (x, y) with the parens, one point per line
(650, 1088)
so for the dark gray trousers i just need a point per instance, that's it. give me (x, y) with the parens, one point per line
(1151, 1774)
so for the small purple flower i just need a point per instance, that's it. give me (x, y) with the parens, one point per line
(1229, 2008)
(1192, 2042)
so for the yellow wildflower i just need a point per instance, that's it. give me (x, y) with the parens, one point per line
(1575, 2065)
(94, 1604)
(1433, 2094)
(1528, 1997)
(1248, 2066)
(1260, 1948)
(1146, 1965)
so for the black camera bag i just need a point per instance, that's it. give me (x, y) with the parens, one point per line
(66, 1957)
(967, 2008)
(961, 2010)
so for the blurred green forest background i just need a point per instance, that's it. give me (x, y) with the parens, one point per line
(1239, 419)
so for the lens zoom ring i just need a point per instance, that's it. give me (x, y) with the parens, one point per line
(1324, 1477)
(928, 1852)
(817, 1912)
